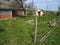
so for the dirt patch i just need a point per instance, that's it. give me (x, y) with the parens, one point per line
(30, 22)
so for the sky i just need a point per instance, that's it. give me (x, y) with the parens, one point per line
(51, 5)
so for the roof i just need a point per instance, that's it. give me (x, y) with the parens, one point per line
(9, 5)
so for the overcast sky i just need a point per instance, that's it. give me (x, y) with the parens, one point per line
(51, 5)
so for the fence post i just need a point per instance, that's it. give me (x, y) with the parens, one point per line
(35, 33)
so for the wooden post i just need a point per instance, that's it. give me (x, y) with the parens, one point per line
(35, 36)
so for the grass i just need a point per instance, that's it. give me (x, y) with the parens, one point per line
(18, 32)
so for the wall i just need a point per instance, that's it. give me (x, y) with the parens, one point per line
(21, 13)
(5, 14)
(12, 0)
(8, 16)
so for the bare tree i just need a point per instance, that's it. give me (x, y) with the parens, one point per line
(59, 9)
(21, 2)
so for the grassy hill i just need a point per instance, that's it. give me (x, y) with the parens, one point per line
(19, 32)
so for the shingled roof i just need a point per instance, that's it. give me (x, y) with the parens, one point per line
(9, 5)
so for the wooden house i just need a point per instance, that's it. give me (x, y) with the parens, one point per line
(9, 10)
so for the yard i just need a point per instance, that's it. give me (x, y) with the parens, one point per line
(19, 32)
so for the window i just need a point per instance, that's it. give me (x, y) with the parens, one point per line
(7, 0)
(5, 12)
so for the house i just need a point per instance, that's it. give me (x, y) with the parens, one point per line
(39, 12)
(9, 10)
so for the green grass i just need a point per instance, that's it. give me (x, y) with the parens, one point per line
(18, 32)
